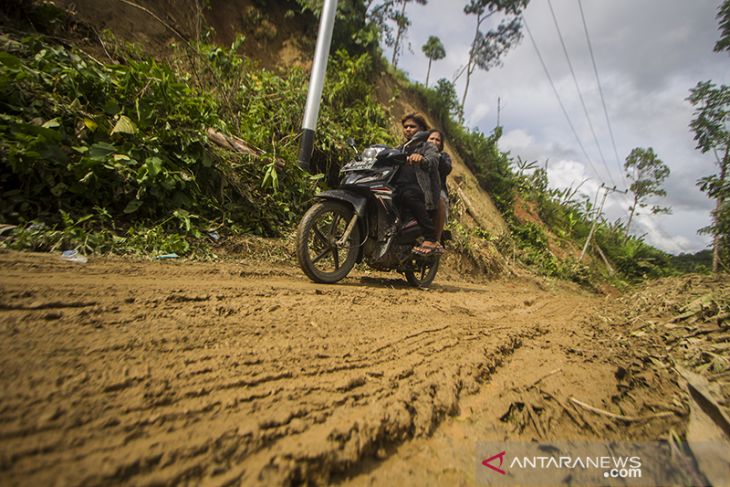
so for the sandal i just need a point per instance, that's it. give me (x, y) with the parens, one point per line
(428, 248)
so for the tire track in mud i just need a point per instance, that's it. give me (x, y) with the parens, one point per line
(193, 371)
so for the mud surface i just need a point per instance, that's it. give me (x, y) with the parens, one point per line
(144, 372)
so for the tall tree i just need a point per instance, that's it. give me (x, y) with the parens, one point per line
(386, 12)
(711, 127)
(381, 15)
(434, 51)
(394, 11)
(723, 16)
(488, 47)
(647, 173)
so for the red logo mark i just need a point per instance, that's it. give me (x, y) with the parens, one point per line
(500, 455)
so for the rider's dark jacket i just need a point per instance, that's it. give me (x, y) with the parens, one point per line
(426, 173)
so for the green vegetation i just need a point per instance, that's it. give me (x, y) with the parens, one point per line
(700, 262)
(434, 51)
(647, 174)
(711, 128)
(723, 19)
(115, 157)
(569, 217)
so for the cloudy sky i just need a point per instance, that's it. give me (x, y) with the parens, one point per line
(648, 54)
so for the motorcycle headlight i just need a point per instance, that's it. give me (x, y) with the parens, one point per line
(371, 153)
(366, 161)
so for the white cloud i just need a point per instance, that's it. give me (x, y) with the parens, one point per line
(477, 114)
(515, 140)
(658, 236)
(567, 173)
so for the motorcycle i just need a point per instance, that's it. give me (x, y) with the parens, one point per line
(358, 222)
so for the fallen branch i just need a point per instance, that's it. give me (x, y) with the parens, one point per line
(542, 378)
(235, 144)
(572, 414)
(628, 419)
(469, 207)
(231, 142)
(535, 421)
(604, 259)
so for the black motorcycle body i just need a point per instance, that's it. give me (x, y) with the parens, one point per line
(359, 222)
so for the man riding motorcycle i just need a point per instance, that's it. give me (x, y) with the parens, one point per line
(417, 184)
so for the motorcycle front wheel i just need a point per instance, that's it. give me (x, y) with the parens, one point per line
(423, 271)
(320, 256)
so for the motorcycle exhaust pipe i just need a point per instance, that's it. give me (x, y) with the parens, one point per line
(316, 82)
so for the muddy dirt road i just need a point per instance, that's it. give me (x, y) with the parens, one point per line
(141, 372)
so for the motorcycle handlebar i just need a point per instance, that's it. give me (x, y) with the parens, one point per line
(393, 154)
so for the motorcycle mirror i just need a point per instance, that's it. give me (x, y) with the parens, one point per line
(351, 142)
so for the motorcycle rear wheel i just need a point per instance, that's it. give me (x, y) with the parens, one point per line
(424, 272)
(317, 252)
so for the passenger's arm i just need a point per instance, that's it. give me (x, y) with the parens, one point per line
(445, 164)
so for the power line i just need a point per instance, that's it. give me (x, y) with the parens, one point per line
(580, 94)
(600, 92)
(625, 197)
(557, 95)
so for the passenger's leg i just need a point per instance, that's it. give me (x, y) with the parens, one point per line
(440, 218)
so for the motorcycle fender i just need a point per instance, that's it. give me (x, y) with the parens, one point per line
(357, 201)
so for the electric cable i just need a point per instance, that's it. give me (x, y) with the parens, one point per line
(600, 92)
(580, 94)
(560, 101)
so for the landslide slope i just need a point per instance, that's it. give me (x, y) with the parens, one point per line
(277, 36)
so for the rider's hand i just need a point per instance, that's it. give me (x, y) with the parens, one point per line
(415, 159)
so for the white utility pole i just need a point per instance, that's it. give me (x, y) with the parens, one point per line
(596, 215)
(316, 82)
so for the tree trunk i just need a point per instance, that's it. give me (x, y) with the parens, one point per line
(466, 88)
(470, 64)
(716, 247)
(398, 33)
(428, 73)
(716, 242)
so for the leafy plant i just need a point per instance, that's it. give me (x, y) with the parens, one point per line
(130, 140)
(647, 173)
(434, 51)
